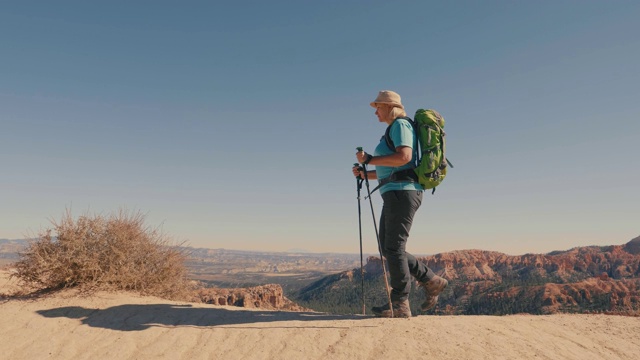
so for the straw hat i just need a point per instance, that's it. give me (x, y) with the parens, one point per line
(388, 97)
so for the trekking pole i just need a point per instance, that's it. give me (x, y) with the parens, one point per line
(375, 227)
(358, 187)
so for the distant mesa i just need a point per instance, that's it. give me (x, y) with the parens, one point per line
(298, 251)
(633, 246)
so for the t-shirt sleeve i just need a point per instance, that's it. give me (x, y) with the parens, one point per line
(401, 133)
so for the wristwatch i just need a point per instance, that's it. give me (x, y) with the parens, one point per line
(369, 157)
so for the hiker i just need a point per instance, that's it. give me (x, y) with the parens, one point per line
(401, 197)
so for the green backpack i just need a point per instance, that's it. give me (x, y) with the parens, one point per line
(431, 164)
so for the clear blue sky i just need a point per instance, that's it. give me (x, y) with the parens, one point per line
(234, 124)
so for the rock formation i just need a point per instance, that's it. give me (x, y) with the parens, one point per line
(583, 279)
(270, 296)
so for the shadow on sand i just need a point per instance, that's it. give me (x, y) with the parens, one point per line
(142, 317)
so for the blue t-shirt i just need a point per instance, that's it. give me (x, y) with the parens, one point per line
(401, 134)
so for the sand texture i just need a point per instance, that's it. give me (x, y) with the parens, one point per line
(127, 326)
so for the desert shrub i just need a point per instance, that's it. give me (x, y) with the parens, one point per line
(114, 252)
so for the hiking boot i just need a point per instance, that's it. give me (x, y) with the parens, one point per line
(432, 289)
(401, 309)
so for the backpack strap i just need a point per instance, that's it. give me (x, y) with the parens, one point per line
(391, 145)
(442, 141)
(406, 175)
(387, 135)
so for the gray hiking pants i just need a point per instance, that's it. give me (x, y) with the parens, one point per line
(395, 222)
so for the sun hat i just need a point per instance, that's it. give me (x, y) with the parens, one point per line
(388, 97)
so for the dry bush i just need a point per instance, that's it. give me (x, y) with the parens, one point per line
(115, 252)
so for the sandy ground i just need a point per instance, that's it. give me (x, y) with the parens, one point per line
(126, 326)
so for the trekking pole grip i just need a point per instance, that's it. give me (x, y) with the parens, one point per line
(359, 148)
(359, 168)
(363, 166)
